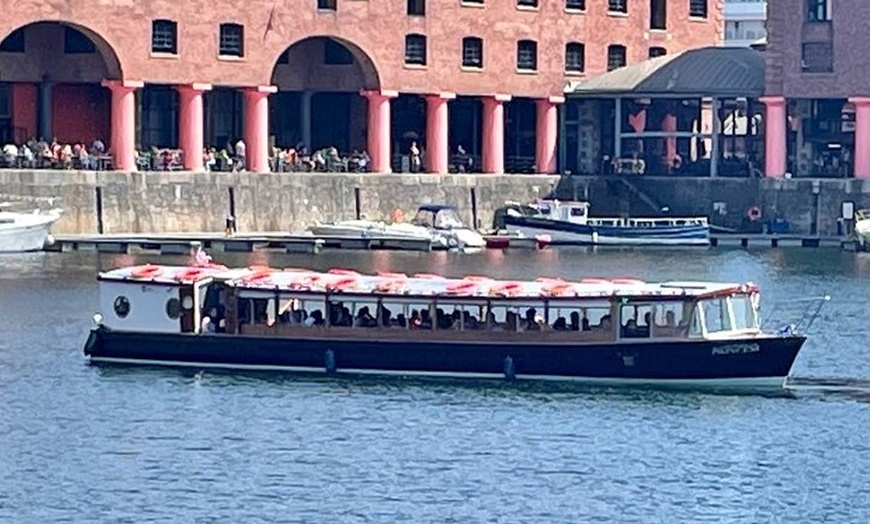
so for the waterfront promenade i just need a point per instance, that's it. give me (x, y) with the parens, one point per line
(117, 202)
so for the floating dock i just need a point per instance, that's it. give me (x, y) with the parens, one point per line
(182, 243)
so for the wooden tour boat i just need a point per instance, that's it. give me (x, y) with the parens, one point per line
(597, 331)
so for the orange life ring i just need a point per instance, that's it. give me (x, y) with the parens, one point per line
(190, 274)
(461, 288)
(557, 289)
(391, 286)
(753, 213)
(505, 289)
(341, 284)
(146, 271)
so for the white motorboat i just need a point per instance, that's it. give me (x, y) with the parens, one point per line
(439, 224)
(862, 227)
(22, 232)
(569, 223)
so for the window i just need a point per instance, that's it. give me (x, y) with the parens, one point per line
(817, 57)
(716, 316)
(122, 306)
(14, 43)
(335, 53)
(533, 4)
(635, 320)
(743, 312)
(232, 38)
(164, 35)
(617, 6)
(416, 7)
(698, 8)
(575, 57)
(415, 49)
(575, 5)
(657, 51)
(327, 5)
(173, 308)
(472, 52)
(76, 43)
(527, 55)
(658, 11)
(472, 2)
(615, 56)
(818, 10)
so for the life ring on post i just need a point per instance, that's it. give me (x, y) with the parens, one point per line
(753, 213)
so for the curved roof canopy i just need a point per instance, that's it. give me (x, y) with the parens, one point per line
(707, 71)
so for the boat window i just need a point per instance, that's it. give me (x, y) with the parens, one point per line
(245, 311)
(505, 318)
(668, 320)
(173, 308)
(580, 319)
(423, 218)
(122, 306)
(716, 318)
(744, 313)
(448, 218)
(695, 324)
(635, 320)
(393, 314)
(578, 211)
(264, 311)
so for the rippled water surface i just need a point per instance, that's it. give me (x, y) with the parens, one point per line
(85, 444)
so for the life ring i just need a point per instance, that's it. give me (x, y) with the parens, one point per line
(397, 216)
(461, 288)
(146, 271)
(557, 289)
(391, 286)
(343, 284)
(190, 274)
(753, 213)
(506, 289)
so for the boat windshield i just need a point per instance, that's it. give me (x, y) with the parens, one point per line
(733, 313)
(448, 218)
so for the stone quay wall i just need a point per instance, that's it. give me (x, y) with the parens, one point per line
(195, 202)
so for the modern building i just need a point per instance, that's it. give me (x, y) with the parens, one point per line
(486, 75)
(818, 88)
(745, 22)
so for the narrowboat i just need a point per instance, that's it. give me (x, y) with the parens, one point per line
(614, 332)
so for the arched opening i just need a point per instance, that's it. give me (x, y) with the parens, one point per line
(51, 74)
(318, 104)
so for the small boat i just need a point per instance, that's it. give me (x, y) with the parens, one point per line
(569, 223)
(862, 228)
(23, 232)
(438, 223)
(614, 332)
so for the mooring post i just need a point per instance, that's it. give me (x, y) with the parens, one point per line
(474, 208)
(98, 202)
(356, 203)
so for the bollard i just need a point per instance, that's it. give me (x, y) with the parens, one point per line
(99, 208)
(356, 202)
(230, 225)
(474, 223)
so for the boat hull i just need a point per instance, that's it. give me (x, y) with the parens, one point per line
(567, 233)
(750, 364)
(25, 238)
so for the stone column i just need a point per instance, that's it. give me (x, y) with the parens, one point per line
(437, 145)
(257, 127)
(861, 156)
(775, 154)
(493, 133)
(379, 135)
(305, 118)
(123, 127)
(547, 134)
(190, 125)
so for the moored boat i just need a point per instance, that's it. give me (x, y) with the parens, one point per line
(862, 227)
(23, 232)
(569, 223)
(596, 331)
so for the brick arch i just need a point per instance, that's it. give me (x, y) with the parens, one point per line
(108, 53)
(303, 65)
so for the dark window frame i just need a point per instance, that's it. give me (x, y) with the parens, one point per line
(327, 5)
(527, 4)
(612, 51)
(818, 11)
(164, 36)
(575, 5)
(656, 51)
(575, 50)
(658, 15)
(416, 49)
(472, 52)
(15, 42)
(699, 8)
(77, 43)
(527, 55)
(617, 6)
(416, 7)
(231, 40)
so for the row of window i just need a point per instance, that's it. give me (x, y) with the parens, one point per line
(697, 8)
(527, 54)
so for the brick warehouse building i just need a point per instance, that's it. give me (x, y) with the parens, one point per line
(487, 75)
(818, 88)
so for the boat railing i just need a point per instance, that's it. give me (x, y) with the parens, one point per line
(794, 316)
(649, 222)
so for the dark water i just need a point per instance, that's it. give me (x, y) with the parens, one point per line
(83, 444)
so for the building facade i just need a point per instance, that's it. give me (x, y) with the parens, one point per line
(486, 75)
(745, 22)
(818, 88)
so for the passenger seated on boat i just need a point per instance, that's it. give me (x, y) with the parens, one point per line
(531, 323)
(605, 324)
(415, 320)
(386, 315)
(585, 324)
(364, 318)
(401, 321)
(560, 324)
(425, 319)
(314, 319)
(469, 321)
(575, 321)
(207, 325)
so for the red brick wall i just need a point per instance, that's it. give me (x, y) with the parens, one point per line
(24, 110)
(80, 113)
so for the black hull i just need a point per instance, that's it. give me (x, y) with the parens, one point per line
(761, 363)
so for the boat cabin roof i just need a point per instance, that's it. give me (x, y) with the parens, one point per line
(342, 281)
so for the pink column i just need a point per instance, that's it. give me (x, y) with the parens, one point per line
(379, 135)
(493, 133)
(122, 144)
(190, 116)
(437, 148)
(547, 134)
(774, 136)
(861, 154)
(257, 127)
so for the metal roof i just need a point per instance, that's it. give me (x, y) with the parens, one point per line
(706, 71)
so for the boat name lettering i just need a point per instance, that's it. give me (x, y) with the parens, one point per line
(736, 349)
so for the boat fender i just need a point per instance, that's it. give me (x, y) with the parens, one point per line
(509, 370)
(452, 242)
(753, 213)
(329, 361)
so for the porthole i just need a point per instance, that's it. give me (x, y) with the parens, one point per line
(187, 303)
(122, 306)
(173, 308)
